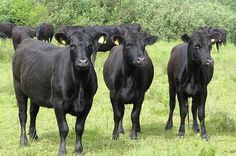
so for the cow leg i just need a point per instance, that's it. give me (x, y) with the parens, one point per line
(183, 113)
(79, 128)
(118, 112)
(172, 94)
(135, 118)
(201, 114)
(22, 104)
(121, 128)
(194, 113)
(63, 128)
(34, 109)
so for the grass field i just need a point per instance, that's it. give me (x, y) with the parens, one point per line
(153, 140)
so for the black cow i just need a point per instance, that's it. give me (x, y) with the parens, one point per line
(62, 78)
(189, 70)
(128, 73)
(6, 30)
(45, 32)
(221, 40)
(19, 33)
(68, 30)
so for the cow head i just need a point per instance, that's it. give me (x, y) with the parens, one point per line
(81, 44)
(134, 46)
(200, 46)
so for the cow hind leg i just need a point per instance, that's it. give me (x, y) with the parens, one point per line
(172, 94)
(34, 109)
(22, 105)
(121, 128)
(183, 113)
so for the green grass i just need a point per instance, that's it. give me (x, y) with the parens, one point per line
(153, 140)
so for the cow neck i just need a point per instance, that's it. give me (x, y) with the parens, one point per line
(129, 75)
(128, 69)
(193, 69)
(80, 77)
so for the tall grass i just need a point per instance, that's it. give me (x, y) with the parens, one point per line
(153, 140)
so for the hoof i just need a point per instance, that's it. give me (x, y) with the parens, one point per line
(61, 154)
(181, 135)
(23, 142)
(34, 137)
(115, 137)
(205, 137)
(196, 129)
(133, 138)
(121, 131)
(168, 126)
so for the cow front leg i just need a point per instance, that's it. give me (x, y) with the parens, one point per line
(183, 113)
(201, 115)
(63, 130)
(195, 103)
(135, 120)
(118, 112)
(79, 128)
(34, 109)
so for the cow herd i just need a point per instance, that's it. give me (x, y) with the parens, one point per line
(64, 78)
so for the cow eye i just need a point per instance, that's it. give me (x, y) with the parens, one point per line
(197, 46)
(90, 47)
(73, 47)
(128, 45)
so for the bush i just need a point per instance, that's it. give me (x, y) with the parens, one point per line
(167, 18)
(23, 12)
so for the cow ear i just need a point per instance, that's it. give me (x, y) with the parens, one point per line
(214, 37)
(151, 40)
(62, 38)
(117, 39)
(185, 38)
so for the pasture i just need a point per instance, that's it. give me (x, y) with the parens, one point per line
(153, 140)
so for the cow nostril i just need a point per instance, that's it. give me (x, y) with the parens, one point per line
(209, 62)
(83, 63)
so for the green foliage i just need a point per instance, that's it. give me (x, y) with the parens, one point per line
(167, 18)
(23, 12)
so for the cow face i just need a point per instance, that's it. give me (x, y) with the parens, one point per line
(199, 47)
(82, 45)
(134, 46)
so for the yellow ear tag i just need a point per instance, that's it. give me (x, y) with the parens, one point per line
(117, 42)
(63, 41)
(102, 40)
(213, 40)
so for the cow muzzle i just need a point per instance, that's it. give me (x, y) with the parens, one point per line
(209, 62)
(140, 60)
